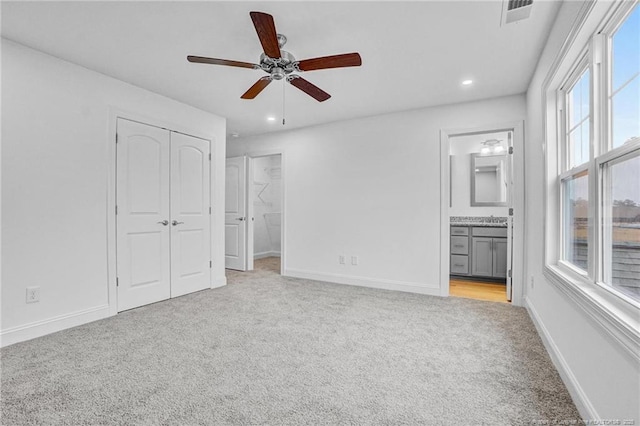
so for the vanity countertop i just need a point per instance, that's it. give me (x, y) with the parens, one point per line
(487, 222)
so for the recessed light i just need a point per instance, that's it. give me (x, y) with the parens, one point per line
(467, 82)
(271, 119)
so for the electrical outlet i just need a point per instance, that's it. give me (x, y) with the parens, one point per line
(33, 294)
(354, 260)
(341, 259)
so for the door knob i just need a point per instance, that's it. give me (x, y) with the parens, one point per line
(164, 222)
(240, 218)
(175, 222)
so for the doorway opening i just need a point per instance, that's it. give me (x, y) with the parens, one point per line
(254, 203)
(480, 215)
(265, 210)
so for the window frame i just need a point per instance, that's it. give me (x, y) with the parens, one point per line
(565, 171)
(614, 156)
(589, 39)
(574, 77)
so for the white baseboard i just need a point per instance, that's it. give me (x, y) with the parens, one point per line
(580, 399)
(264, 254)
(52, 325)
(407, 287)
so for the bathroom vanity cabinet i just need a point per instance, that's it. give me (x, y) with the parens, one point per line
(479, 251)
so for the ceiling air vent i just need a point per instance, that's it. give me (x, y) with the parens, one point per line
(515, 10)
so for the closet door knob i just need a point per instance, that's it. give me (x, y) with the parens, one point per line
(175, 222)
(164, 222)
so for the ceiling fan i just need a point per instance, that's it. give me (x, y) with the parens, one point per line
(279, 64)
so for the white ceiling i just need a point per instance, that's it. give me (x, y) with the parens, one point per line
(414, 54)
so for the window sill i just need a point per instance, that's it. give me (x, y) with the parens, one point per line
(619, 318)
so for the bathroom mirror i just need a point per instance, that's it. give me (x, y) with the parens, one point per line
(488, 180)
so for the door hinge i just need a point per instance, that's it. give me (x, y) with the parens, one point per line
(116, 210)
(510, 150)
(117, 282)
(116, 138)
(510, 211)
(209, 156)
(509, 273)
(210, 264)
(209, 210)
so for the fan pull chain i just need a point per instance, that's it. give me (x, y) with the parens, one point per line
(283, 99)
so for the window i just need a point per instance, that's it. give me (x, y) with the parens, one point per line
(598, 159)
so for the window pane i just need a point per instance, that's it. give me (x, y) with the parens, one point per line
(579, 100)
(624, 229)
(579, 145)
(625, 84)
(625, 50)
(575, 144)
(625, 113)
(578, 121)
(575, 221)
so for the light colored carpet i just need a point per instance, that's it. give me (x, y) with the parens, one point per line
(272, 350)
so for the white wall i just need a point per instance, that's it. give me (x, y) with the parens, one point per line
(603, 377)
(266, 206)
(56, 136)
(370, 188)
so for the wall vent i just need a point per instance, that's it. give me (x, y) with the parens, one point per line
(515, 10)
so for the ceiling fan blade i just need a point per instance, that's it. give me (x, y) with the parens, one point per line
(257, 87)
(334, 61)
(214, 61)
(266, 29)
(310, 89)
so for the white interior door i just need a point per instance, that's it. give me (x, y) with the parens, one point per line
(143, 213)
(190, 215)
(235, 222)
(509, 248)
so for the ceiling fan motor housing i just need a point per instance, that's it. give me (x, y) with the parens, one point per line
(277, 73)
(279, 67)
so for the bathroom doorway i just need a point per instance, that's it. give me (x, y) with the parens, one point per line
(478, 221)
(265, 211)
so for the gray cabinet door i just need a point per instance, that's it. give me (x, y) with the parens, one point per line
(459, 264)
(482, 256)
(459, 245)
(500, 257)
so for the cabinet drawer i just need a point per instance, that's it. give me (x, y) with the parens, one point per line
(459, 264)
(459, 230)
(489, 232)
(459, 245)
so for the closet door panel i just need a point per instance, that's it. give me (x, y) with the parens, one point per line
(190, 215)
(142, 199)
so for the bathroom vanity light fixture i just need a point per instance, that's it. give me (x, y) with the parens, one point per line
(271, 118)
(467, 82)
(491, 146)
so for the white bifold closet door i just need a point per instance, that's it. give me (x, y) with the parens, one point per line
(163, 214)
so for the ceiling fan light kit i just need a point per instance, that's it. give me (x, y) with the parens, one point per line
(280, 64)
